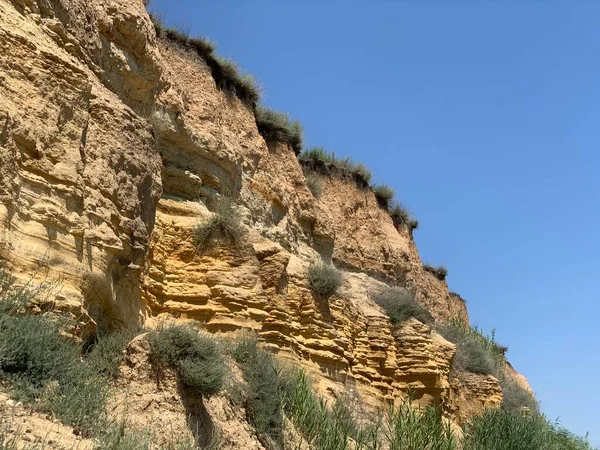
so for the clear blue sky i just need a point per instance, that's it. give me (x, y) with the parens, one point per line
(485, 118)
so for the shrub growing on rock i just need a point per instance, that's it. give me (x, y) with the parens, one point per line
(107, 353)
(400, 304)
(324, 279)
(225, 223)
(193, 354)
(515, 397)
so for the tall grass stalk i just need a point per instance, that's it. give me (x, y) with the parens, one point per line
(407, 428)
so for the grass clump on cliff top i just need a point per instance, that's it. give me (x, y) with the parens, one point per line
(225, 223)
(320, 160)
(440, 272)
(400, 304)
(194, 355)
(226, 74)
(402, 217)
(384, 195)
(277, 127)
(515, 397)
(324, 279)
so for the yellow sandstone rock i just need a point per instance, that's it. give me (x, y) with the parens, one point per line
(113, 143)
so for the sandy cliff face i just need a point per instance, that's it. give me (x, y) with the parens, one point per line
(80, 174)
(115, 145)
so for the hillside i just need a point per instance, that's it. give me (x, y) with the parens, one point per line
(141, 183)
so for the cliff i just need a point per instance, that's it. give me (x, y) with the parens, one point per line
(115, 145)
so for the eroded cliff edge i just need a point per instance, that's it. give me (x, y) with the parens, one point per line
(114, 145)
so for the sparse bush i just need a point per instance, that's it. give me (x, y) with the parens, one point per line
(317, 154)
(229, 78)
(225, 223)
(271, 392)
(108, 352)
(515, 397)
(264, 392)
(475, 351)
(314, 182)
(324, 279)
(384, 195)
(413, 224)
(193, 354)
(42, 366)
(401, 217)
(440, 272)
(319, 160)
(361, 172)
(277, 127)
(400, 304)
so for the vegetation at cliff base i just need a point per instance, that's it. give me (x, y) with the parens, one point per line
(475, 351)
(193, 354)
(499, 429)
(314, 182)
(107, 353)
(46, 367)
(263, 394)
